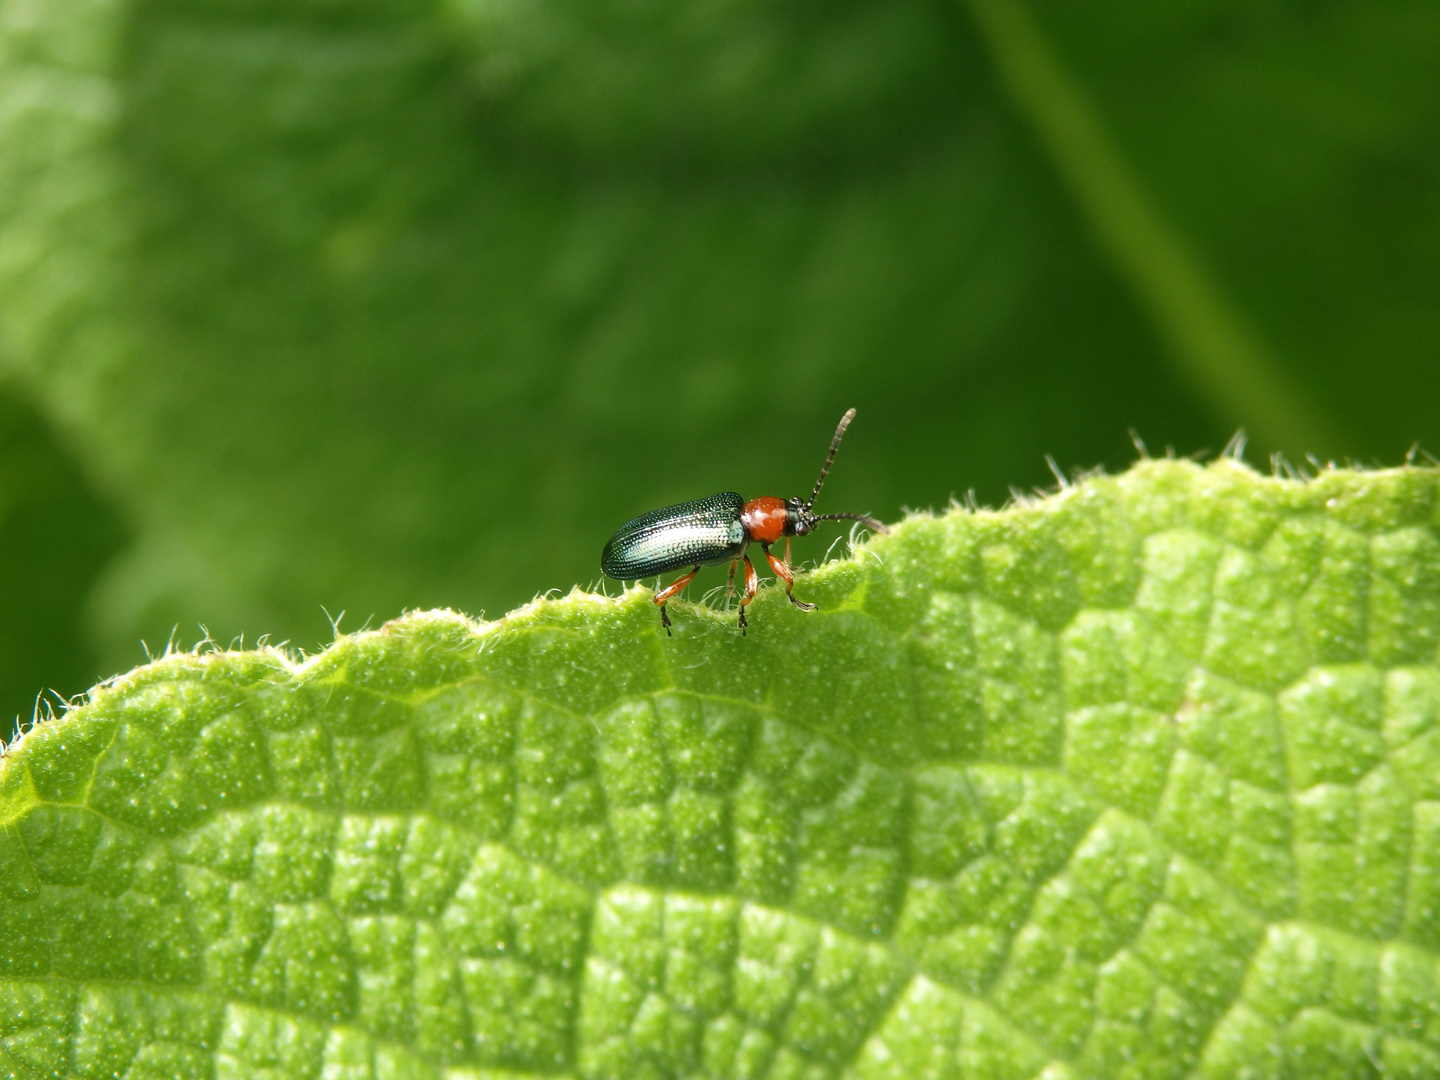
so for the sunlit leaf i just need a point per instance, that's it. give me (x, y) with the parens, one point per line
(1140, 779)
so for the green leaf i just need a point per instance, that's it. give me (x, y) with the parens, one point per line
(1138, 780)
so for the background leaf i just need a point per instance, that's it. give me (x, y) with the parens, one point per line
(1140, 779)
(383, 304)
(56, 535)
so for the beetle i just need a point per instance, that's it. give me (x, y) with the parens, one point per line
(711, 531)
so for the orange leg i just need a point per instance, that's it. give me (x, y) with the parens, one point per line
(730, 581)
(671, 590)
(785, 574)
(752, 582)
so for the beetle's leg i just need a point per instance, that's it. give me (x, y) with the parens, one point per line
(752, 582)
(730, 581)
(784, 573)
(666, 593)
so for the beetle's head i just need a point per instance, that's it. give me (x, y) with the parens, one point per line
(799, 519)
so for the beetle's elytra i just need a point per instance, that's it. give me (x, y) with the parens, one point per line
(711, 531)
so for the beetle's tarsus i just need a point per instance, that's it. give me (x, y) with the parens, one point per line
(665, 621)
(801, 604)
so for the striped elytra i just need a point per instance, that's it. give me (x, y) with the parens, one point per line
(700, 533)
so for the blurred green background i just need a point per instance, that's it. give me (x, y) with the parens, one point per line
(365, 305)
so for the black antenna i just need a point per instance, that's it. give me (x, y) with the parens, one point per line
(830, 457)
(866, 519)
